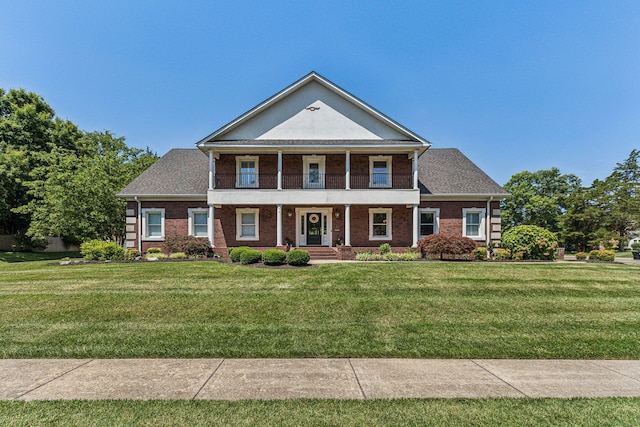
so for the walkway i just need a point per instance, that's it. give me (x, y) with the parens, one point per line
(233, 379)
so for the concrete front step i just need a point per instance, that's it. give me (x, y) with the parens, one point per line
(320, 252)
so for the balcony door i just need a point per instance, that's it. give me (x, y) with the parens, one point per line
(314, 171)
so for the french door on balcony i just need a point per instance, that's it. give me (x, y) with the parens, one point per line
(313, 173)
(314, 226)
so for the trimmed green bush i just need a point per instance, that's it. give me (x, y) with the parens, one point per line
(407, 256)
(274, 257)
(385, 248)
(501, 254)
(368, 256)
(602, 255)
(131, 254)
(237, 252)
(154, 251)
(178, 255)
(190, 245)
(534, 242)
(480, 253)
(298, 257)
(581, 256)
(101, 251)
(250, 256)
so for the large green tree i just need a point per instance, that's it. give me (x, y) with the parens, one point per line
(56, 180)
(608, 209)
(73, 192)
(538, 198)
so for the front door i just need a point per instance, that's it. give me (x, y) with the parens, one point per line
(314, 229)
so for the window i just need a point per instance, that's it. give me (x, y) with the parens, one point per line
(379, 224)
(313, 171)
(429, 221)
(199, 222)
(247, 224)
(380, 171)
(247, 172)
(473, 223)
(153, 224)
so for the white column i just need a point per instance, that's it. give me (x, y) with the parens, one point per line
(415, 170)
(210, 225)
(347, 174)
(211, 169)
(347, 225)
(279, 170)
(279, 226)
(416, 225)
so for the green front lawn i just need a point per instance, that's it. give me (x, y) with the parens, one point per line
(420, 309)
(400, 412)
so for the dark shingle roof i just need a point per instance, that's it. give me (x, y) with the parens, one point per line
(446, 171)
(182, 171)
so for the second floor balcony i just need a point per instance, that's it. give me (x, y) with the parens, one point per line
(314, 181)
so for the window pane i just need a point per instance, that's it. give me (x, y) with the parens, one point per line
(426, 229)
(379, 218)
(248, 231)
(154, 224)
(379, 224)
(379, 173)
(427, 223)
(247, 173)
(473, 224)
(200, 218)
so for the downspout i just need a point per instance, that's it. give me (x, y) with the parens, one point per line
(139, 223)
(488, 226)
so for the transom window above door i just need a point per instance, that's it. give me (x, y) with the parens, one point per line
(247, 172)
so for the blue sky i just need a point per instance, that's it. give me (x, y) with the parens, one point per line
(515, 85)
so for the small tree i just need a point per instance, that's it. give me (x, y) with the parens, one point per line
(532, 241)
(435, 244)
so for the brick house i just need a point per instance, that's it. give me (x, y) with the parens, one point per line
(312, 166)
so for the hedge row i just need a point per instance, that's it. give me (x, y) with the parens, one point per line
(247, 255)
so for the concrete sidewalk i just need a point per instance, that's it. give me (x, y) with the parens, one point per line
(233, 379)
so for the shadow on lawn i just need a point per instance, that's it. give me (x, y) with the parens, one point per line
(36, 256)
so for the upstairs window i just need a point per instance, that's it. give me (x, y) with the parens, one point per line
(247, 172)
(380, 171)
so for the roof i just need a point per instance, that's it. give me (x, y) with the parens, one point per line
(181, 172)
(184, 172)
(448, 172)
(218, 135)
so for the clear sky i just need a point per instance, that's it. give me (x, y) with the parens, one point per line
(513, 84)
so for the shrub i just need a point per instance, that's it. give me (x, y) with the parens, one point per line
(480, 253)
(581, 256)
(250, 256)
(298, 257)
(602, 255)
(635, 246)
(131, 254)
(385, 248)
(154, 251)
(501, 254)
(178, 255)
(190, 245)
(274, 257)
(534, 242)
(407, 256)
(99, 250)
(236, 253)
(435, 244)
(368, 256)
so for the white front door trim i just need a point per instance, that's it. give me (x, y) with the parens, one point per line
(301, 225)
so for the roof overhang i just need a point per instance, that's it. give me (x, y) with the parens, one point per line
(163, 197)
(462, 197)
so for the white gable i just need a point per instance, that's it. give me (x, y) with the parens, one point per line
(314, 111)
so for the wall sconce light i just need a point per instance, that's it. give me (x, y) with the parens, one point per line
(337, 214)
(289, 213)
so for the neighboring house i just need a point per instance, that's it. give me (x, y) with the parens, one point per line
(312, 166)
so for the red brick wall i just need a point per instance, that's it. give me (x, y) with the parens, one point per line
(401, 226)
(451, 214)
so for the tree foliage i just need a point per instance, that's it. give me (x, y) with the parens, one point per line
(538, 198)
(56, 180)
(532, 242)
(441, 244)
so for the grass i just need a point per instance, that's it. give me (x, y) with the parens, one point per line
(402, 412)
(35, 256)
(422, 310)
